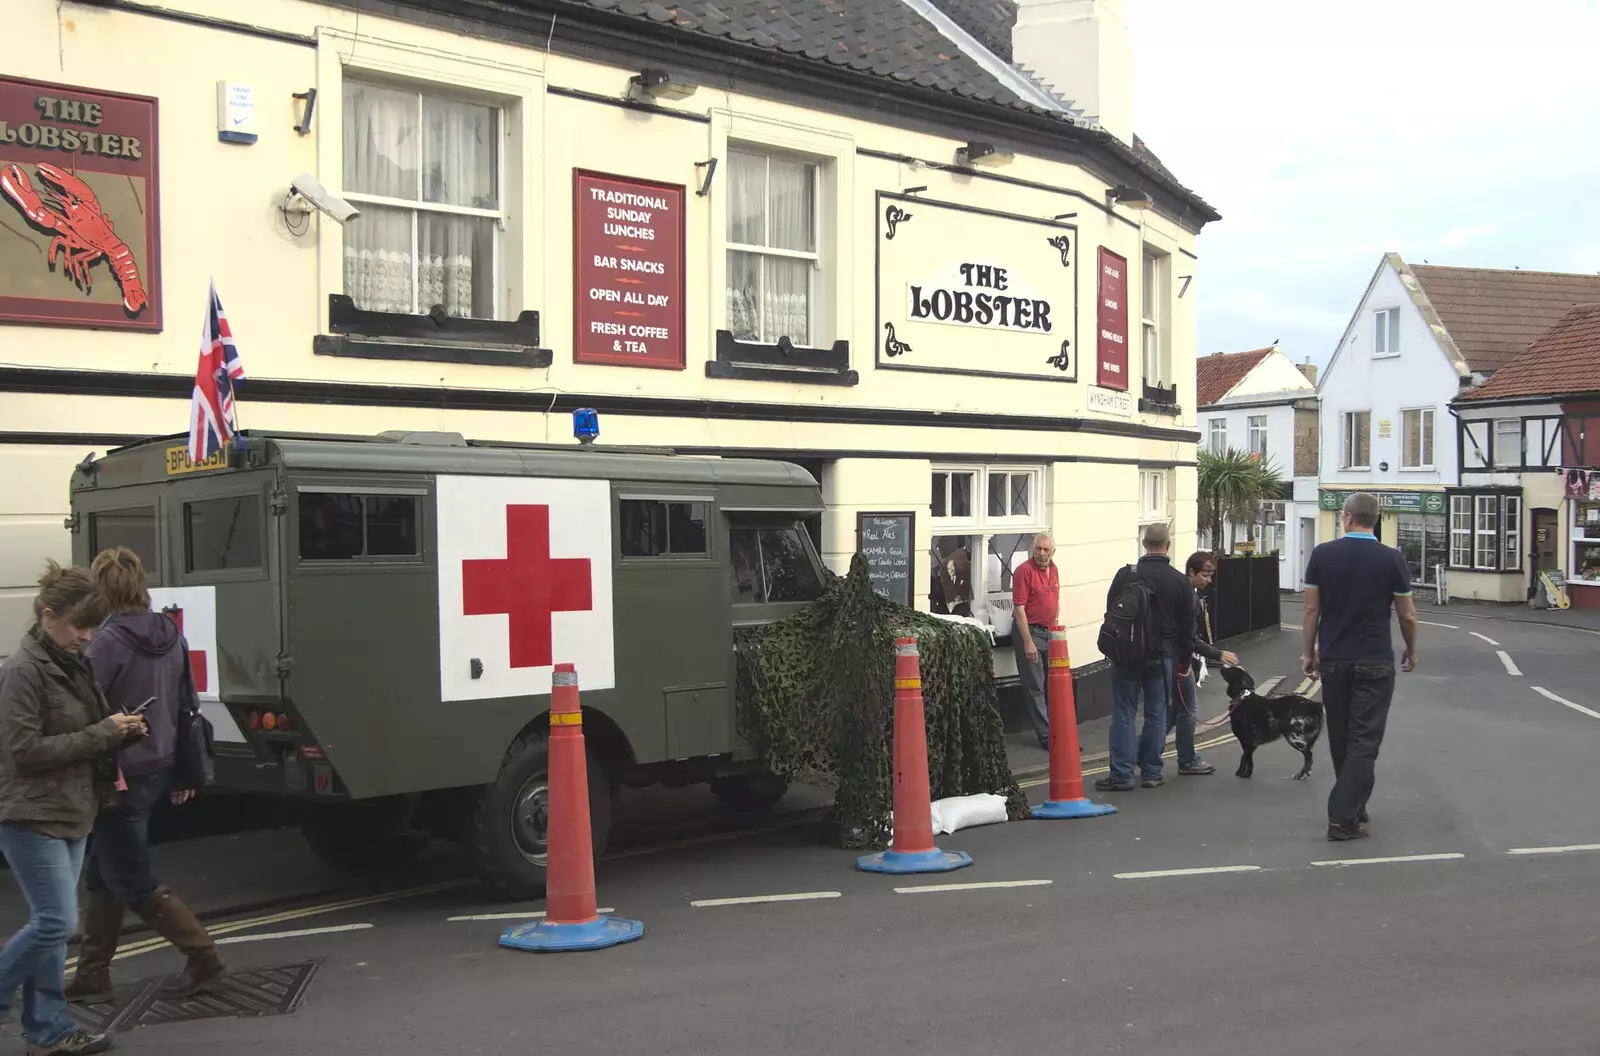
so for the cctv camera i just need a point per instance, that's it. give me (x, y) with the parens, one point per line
(329, 204)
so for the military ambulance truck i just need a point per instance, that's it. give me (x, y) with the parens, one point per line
(373, 622)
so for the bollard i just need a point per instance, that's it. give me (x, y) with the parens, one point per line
(572, 921)
(913, 850)
(1066, 766)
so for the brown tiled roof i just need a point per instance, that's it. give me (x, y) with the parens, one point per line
(1564, 360)
(1494, 315)
(1216, 374)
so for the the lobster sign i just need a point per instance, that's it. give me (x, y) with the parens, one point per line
(80, 215)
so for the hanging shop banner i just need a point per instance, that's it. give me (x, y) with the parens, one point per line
(962, 290)
(628, 240)
(1111, 321)
(80, 209)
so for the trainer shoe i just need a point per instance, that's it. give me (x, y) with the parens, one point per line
(1153, 782)
(1111, 784)
(79, 1042)
(1197, 768)
(1339, 832)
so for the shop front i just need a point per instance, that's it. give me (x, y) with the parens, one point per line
(1415, 522)
(1582, 573)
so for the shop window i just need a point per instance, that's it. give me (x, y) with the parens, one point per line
(1425, 541)
(342, 527)
(1217, 440)
(1357, 439)
(1486, 532)
(133, 528)
(1461, 531)
(1386, 333)
(1417, 436)
(773, 241)
(662, 528)
(1257, 426)
(1586, 541)
(223, 534)
(425, 170)
(977, 548)
(771, 566)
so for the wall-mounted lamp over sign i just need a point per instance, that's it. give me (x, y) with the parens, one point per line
(653, 84)
(1131, 197)
(979, 152)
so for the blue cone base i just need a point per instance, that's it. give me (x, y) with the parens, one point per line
(934, 861)
(544, 937)
(1072, 808)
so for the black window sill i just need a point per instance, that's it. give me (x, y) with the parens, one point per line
(1169, 410)
(781, 362)
(430, 338)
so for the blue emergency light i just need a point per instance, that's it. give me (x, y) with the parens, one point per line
(585, 425)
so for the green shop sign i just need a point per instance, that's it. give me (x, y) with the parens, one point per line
(1389, 501)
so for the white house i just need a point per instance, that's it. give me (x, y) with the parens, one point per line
(1418, 337)
(1262, 403)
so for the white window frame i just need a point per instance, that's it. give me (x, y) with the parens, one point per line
(501, 216)
(1256, 431)
(1486, 540)
(1347, 446)
(983, 528)
(1217, 438)
(1274, 526)
(1154, 313)
(815, 279)
(1511, 533)
(1155, 502)
(1425, 448)
(1505, 432)
(1461, 511)
(1386, 333)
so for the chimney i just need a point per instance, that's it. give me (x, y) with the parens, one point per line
(1080, 49)
(1309, 369)
(990, 22)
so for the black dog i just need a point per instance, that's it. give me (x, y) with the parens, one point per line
(1259, 720)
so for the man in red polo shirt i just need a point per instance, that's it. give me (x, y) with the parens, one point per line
(1035, 603)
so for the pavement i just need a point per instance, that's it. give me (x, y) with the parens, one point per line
(1208, 916)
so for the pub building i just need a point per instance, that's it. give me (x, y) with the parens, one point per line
(917, 251)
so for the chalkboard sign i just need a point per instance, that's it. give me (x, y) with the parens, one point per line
(887, 541)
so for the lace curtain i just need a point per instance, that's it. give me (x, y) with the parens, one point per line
(400, 145)
(772, 203)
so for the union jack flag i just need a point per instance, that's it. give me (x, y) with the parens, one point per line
(211, 413)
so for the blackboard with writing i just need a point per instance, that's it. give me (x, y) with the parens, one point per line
(886, 540)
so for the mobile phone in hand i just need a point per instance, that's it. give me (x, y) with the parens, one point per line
(138, 710)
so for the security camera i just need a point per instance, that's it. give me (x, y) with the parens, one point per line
(329, 204)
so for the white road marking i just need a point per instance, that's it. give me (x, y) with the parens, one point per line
(1485, 637)
(1188, 872)
(1505, 658)
(524, 915)
(293, 934)
(1397, 858)
(1570, 849)
(928, 889)
(800, 896)
(1446, 626)
(1291, 626)
(1562, 700)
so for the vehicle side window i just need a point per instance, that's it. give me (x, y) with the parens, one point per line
(223, 534)
(771, 565)
(656, 528)
(134, 529)
(339, 527)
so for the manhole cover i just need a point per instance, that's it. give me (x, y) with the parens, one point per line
(247, 992)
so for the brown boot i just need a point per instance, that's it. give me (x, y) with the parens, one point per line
(102, 929)
(176, 922)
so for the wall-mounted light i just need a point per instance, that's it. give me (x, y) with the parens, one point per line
(653, 84)
(979, 152)
(1131, 197)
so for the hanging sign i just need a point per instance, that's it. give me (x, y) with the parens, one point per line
(79, 208)
(1111, 321)
(628, 240)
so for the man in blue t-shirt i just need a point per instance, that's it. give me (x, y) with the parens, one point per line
(1350, 585)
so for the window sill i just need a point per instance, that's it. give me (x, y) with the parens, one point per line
(1419, 469)
(782, 362)
(1168, 410)
(360, 334)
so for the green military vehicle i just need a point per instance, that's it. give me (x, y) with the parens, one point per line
(373, 621)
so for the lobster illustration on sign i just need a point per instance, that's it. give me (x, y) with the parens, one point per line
(65, 208)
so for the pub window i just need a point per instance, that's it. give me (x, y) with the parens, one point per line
(133, 528)
(1153, 322)
(772, 566)
(978, 546)
(223, 534)
(952, 494)
(341, 527)
(773, 247)
(425, 170)
(661, 528)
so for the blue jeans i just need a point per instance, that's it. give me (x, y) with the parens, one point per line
(119, 850)
(36, 957)
(1185, 714)
(1153, 678)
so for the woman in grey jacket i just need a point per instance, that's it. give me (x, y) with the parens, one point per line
(57, 770)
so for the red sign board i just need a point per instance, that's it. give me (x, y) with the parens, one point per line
(628, 240)
(79, 208)
(1111, 320)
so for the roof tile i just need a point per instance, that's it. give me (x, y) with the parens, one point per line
(1218, 373)
(1493, 315)
(1564, 361)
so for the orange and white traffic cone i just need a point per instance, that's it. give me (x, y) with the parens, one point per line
(572, 921)
(1066, 766)
(913, 850)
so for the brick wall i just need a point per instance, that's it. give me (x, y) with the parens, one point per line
(1307, 430)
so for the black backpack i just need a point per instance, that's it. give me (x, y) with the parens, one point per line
(1131, 632)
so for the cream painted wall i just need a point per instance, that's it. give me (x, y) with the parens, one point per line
(854, 485)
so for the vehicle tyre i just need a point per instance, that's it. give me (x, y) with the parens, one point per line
(362, 840)
(750, 791)
(508, 832)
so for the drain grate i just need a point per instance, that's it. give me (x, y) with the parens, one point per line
(246, 992)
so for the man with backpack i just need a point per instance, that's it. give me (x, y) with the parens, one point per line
(1148, 635)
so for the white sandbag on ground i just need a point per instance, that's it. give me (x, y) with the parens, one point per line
(961, 812)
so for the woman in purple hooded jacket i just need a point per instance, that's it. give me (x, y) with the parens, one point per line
(138, 656)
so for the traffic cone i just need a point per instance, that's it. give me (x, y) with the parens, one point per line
(913, 850)
(571, 921)
(1066, 767)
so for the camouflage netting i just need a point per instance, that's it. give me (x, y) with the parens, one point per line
(816, 696)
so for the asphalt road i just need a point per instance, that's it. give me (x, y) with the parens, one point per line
(1467, 944)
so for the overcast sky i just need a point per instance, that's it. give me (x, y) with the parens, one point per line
(1459, 132)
